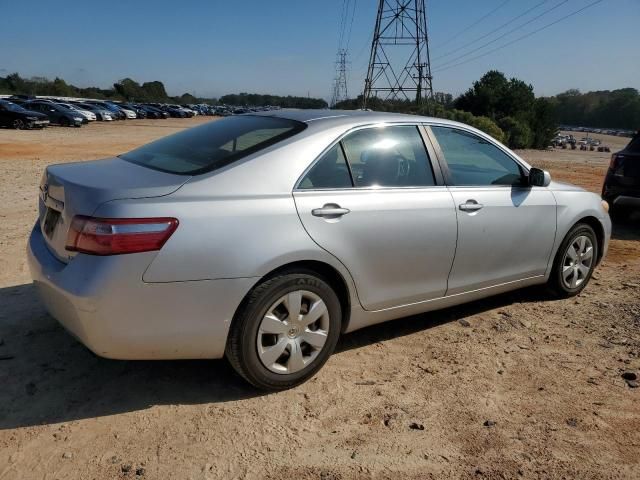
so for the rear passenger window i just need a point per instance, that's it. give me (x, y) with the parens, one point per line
(330, 171)
(392, 156)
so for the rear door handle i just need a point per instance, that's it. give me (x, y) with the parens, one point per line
(470, 206)
(331, 210)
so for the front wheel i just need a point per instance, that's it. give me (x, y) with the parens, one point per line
(18, 124)
(575, 261)
(285, 331)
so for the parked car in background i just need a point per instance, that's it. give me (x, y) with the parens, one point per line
(622, 183)
(140, 113)
(15, 116)
(102, 114)
(129, 113)
(88, 115)
(263, 237)
(57, 114)
(20, 99)
(173, 111)
(152, 112)
(115, 112)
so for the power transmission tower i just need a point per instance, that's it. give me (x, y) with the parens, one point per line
(399, 65)
(340, 82)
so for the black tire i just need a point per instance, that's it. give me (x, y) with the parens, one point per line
(242, 349)
(556, 285)
(64, 122)
(18, 124)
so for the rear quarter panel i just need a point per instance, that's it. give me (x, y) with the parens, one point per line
(238, 222)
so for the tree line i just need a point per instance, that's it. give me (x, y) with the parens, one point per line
(508, 110)
(130, 90)
(601, 109)
(505, 109)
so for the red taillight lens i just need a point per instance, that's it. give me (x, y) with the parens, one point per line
(612, 163)
(115, 236)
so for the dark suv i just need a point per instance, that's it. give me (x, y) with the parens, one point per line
(622, 183)
(12, 115)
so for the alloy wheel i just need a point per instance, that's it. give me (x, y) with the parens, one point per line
(293, 332)
(577, 262)
(18, 124)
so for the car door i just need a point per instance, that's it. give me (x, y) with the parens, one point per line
(373, 200)
(506, 228)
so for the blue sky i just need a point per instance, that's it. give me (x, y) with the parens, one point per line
(288, 47)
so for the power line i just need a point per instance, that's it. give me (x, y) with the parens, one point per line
(341, 28)
(524, 24)
(491, 32)
(353, 14)
(473, 24)
(522, 37)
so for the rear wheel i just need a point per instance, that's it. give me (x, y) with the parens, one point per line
(285, 331)
(575, 261)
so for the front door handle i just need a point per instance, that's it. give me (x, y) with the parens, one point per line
(330, 210)
(470, 206)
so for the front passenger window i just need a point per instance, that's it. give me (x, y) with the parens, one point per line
(473, 160)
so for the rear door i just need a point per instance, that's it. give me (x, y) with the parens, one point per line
(374, 201)
(506, 228)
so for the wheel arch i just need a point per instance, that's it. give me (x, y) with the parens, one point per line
(328, 272)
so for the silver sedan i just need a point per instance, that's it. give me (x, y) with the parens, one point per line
(263, 237)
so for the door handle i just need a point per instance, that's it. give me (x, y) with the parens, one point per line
(470, 206)
(331, 210)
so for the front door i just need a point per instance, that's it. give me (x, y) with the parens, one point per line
(372, 201)
(506, 228)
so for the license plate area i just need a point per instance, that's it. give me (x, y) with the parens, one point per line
(51, 219)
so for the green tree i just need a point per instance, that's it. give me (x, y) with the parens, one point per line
(544, 125)
(517, 134)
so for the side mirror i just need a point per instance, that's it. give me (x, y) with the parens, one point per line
(539, 178)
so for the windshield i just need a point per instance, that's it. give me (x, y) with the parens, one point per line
(12, 107)
(213, 145)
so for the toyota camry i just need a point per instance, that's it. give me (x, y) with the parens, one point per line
(263, 237)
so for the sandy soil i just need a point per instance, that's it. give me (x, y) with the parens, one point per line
(516, 386)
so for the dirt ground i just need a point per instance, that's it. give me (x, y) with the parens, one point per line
(516, 386)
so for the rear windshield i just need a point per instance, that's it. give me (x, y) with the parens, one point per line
(213, 145)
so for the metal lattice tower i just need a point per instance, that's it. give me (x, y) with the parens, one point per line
(399, 65)
(340, 82)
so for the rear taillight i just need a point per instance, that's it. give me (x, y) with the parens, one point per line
(115, 236)
(613, 162)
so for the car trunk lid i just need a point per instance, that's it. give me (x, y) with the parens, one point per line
(73, 189)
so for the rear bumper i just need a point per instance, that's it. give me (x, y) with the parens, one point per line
(103, 302)
(621, 191)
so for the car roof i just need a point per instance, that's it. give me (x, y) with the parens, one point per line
(324, 118)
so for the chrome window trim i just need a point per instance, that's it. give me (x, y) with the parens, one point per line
(418, 125)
